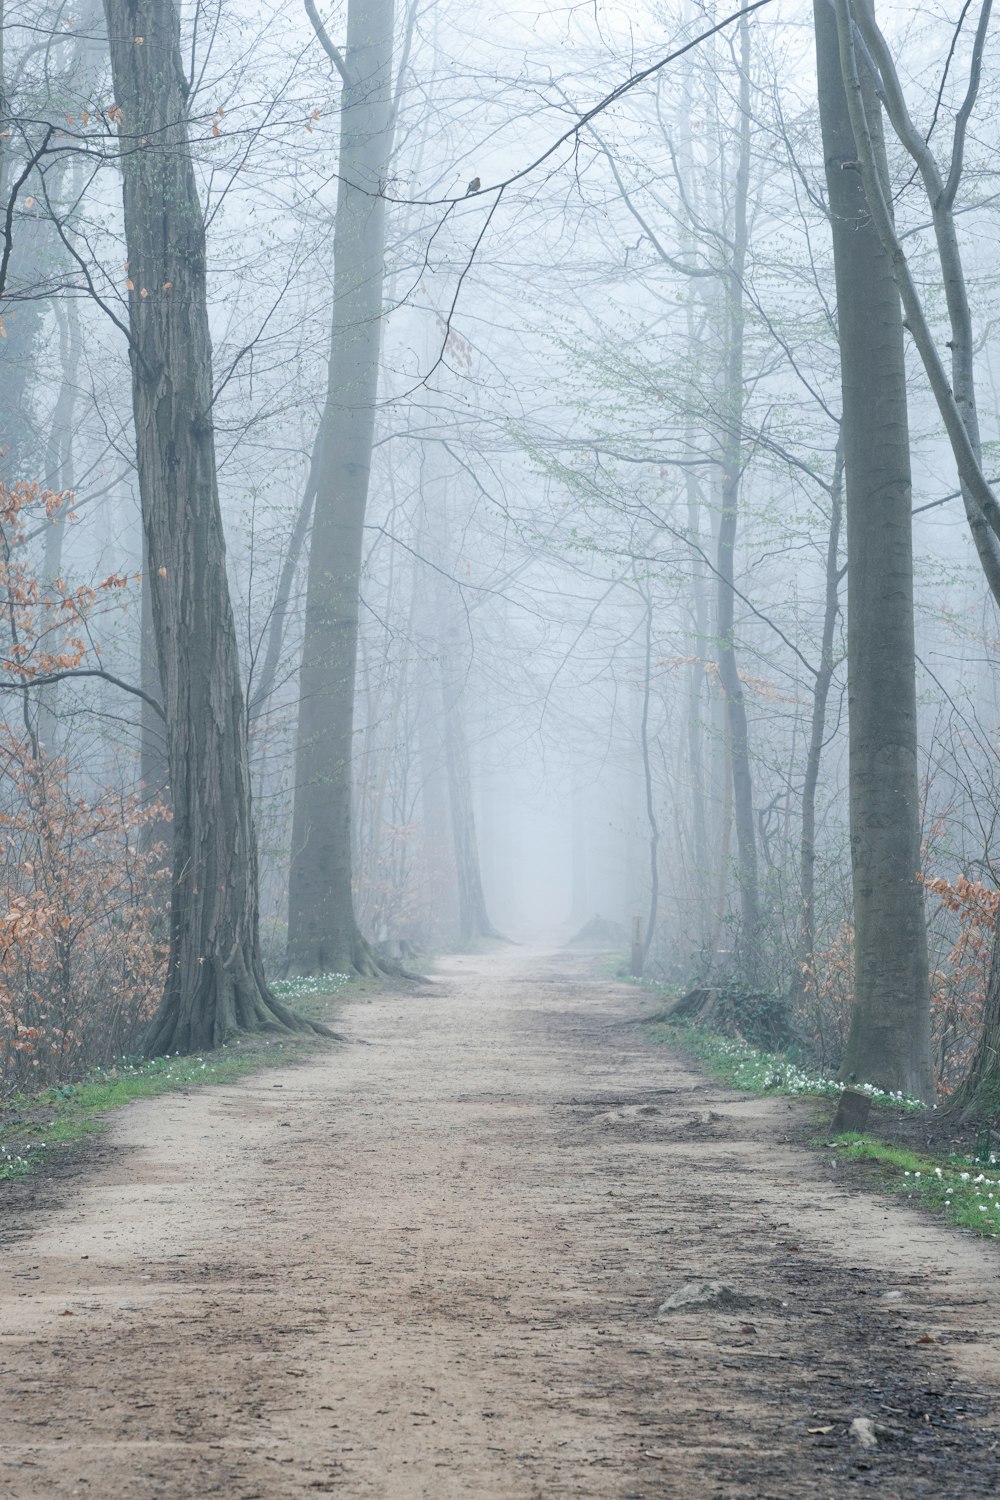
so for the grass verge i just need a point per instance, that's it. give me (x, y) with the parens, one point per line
(955, 1186)
(964, 1189)
(32, 1125)
(736, 1062)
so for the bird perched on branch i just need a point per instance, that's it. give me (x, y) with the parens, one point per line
(473, 187)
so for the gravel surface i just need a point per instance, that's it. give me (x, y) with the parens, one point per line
(511, 1248)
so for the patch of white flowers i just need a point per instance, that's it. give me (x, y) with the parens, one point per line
(775, 1074)
(316, 984)
(12, 1165)
(979, 1193)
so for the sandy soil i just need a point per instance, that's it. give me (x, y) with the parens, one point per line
(432, 1266)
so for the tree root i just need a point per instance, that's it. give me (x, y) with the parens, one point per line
(354, 956)
(229, 1000)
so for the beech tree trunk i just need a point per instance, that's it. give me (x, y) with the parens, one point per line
(643, 939)
(473, 917)
(59, 477)
(804, 982)
(732, 474)
(889, 1040)
(215, 981)
(700, 876)
(154, 770)
(439, 878)
(323, 932)
(263, 687)
(978, 1095)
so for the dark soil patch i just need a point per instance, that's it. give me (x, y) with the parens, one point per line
(44, 1190)
(936, 1132)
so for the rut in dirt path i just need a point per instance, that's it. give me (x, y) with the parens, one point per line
(432, 1267)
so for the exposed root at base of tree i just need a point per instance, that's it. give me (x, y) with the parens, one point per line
(229, 999)
(976, 1101)
(366, 963)
(356, 957)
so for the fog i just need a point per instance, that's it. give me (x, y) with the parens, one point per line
(499, 348)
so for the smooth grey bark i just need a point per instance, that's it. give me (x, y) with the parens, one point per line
(399, 692)
(443, 627)
(700, 873)
(889, 1040)
(437, 843)
(954, 393)
(805, 981)
(323, 933)
(215, 980)
(36, 253)
(59, 450)
(154, 771)
(732, 474)
(640, 949)
(978, 1095)
(23, 319)
(473, 917)
(22, 315)
(579, 853)
(59, 477)
(954, 389)
(266, 680)
(695, 727)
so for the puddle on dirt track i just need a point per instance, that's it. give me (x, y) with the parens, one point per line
(435, 1267)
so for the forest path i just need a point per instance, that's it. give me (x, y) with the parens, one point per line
(431, 1267)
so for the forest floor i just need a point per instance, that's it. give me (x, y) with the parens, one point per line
(434, 1266)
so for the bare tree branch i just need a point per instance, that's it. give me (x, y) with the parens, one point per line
(43, 681)
(329, 47)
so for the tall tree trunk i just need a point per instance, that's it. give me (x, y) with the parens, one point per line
(724, 839)
(700, 934)
(215, 980)
(889, 1040)
(59, 477)
(473, 918)
(954, 390)
(154, 770)
(399, 692)
(266, 682)
(440, 880)
(700, 876)
(732, 474)
(579, 851)
(978, 1095)
(804, 982)
(444, 628)
(640, 949)
(322, 929)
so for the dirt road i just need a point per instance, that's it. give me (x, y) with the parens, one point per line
(432, 1266)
